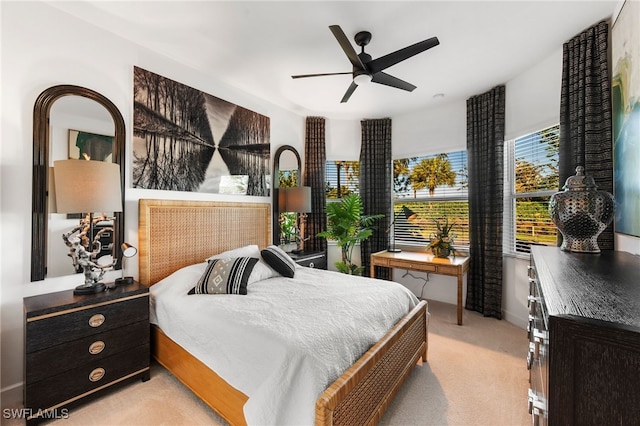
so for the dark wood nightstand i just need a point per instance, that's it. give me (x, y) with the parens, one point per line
(311, 259)
(77, 346)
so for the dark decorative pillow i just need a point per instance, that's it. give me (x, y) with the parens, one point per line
(225, 276)
(275, 257)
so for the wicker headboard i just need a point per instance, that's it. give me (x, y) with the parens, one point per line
(174, 234)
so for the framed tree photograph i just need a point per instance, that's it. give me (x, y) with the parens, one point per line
(188, 140)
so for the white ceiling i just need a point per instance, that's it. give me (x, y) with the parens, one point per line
(257, 46)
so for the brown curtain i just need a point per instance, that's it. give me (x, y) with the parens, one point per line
(315, 158)
(585, 113)
(485, 147)
(375, 186)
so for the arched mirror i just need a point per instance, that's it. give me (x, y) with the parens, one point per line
(287, 173)
(60, 111)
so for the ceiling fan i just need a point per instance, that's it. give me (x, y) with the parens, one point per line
(367, 69)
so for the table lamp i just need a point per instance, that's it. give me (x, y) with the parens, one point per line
(86, 186)
(127, 251)
(410, 216)
(298, 200)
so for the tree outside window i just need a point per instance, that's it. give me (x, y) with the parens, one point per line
(532, 161)
(342, 179)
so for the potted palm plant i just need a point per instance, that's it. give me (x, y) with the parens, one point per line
(348, 226)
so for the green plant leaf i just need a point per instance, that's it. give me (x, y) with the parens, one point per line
(348, 226)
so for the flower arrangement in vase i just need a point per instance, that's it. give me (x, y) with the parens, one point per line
(441, 243)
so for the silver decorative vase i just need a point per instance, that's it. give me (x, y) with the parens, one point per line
(581, 212)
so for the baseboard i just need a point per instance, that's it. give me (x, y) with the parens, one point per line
(514, 319)
(12, 396)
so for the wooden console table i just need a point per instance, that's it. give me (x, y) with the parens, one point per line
(424, 262)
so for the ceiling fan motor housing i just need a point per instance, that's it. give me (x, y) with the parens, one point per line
(362, 38)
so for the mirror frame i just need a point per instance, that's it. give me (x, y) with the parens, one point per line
(276, 183)
(39, 217)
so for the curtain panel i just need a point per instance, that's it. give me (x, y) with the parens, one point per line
(375, 187)
(485, 147)
(585, 113)
(315, 158)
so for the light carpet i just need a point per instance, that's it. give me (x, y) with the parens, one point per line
(475, 375)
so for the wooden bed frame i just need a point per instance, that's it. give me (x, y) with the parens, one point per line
(175, 234)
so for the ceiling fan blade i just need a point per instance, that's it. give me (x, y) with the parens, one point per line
(320, 75)
(393, 58)
(389, 80)
(347, 47)
(349, 92)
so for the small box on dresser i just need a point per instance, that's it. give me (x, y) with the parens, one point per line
(78, 345)
(584, 330)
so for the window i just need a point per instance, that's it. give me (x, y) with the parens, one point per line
(435, 189)
(342, 178)
(531, 177)
(288, 179)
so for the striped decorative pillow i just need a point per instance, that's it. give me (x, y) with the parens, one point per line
(225, 276)
(275, 257)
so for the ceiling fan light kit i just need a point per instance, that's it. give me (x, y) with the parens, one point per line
(362, 79)
(366, 69)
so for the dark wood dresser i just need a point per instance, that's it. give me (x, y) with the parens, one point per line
(76, 346)
(584, 332)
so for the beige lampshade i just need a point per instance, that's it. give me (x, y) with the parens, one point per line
(86, 186)
(297, 199)
(282, 201)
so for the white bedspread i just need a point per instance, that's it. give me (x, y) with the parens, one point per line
(284, 342)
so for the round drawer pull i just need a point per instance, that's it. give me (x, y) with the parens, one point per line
(96, 347)
(96, 374)
(96, 320)
(311, 265)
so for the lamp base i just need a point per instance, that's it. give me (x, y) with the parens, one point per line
(90, 289)
(123, 281)
(394, 250)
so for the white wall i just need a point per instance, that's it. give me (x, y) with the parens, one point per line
(42, 47)
(627, 243)
(342, 139)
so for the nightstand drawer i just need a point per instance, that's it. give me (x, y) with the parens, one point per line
(85, 379)
(319, 262)
(57, 359)
(53, 329)
(310, 259)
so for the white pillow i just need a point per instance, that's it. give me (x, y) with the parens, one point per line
(261, 271)
(251, 250)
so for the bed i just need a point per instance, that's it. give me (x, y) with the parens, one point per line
(175, 236)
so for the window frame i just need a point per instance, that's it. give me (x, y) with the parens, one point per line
(509, 242)
(450, 197)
